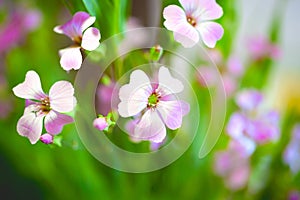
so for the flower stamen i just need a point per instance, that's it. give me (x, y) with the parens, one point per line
(191, 21)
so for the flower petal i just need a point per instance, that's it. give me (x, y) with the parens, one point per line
(208, 10)
(237, 125)
(61, 96)
(74, 27)
(189, 5)
(31, 88)
(186, 35)
(150, 127)
(173, 15)
(71, 58)
(210, 33)
(55, 121)
(134, 96)
(90, 39)
(30, 126)
(168, 84)
(172, 112)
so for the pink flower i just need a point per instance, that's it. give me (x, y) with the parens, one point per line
(42, 107)
(20, 23)
(261, 127)
(156, 103)
(104, 97)
(100, 123)
(82, 36)
(194, 19)
(261, 47)
(233, 166)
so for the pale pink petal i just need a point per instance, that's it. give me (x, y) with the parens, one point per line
(150, 127)
(168, 84)
(172, 112)
(61, 96)
(55, 121)
(74, 27)
(31, 88)
(186, 35)
(208, 10)
(207, 76)
(134, 96)
(210, 33)
(173, 15)
(189, 5)
(71, 58)
(30, 126)
(90, 39)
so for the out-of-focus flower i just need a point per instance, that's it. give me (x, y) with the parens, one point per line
(19, 23)
(40, 105)
(83, 36)
(46, 138)
(261, 47)
(294, 195)
(233, 165)
(292, 151)
(104, 97)
(249, 99)
(156, 102)
(100, 123)
(229, 71)
(259, 127)
(194, 19)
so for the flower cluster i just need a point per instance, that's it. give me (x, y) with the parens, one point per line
(247, 128)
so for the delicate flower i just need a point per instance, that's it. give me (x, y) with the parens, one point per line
(46, 138)
(194, 19)
(235, 66)
(292, 152)
(100, 123)
(259, 127)
(156, 103)
(249, 99)
(233, 166)
(260, 47)
(40, 105)
(82, 36)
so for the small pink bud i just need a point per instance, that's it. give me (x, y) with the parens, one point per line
(100, 123)
(46, 138)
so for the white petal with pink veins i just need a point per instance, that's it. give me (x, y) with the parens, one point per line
(90, 39)
(168, 84)
(173, 15)
(172, 112)
(31, 88)
(208, 10)
(134, 96)
(61, 96)
(186, 35)
(71, 58)
(210, 33)
(30, 126)
(150, 127)
(189, 5)
(55, 121)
